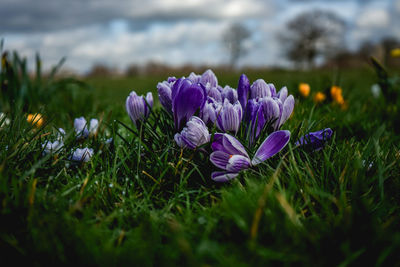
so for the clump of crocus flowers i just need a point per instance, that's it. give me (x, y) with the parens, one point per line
(198, 102)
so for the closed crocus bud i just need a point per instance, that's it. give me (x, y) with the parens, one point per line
(195, 78)
(93, 126)
(230, 94)
(259, 89)
(315, 140)
(210, 110)
(80, 127)
(82, 154)
(187, 98)
(243, 90)
(208, 79)
(52, 147)
(149, 99)
(194, 134)
(164, 90)
(215, 93)
(229, 117)
(137, 107)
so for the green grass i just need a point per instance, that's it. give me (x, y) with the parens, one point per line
(143, 201)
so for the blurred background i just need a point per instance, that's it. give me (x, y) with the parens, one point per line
(131, 37)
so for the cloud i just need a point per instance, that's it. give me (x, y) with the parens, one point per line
(44, 15)
(373, 18)
(121, 32)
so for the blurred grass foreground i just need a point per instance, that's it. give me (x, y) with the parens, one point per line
(140, 199)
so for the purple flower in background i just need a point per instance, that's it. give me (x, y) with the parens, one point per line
(229, 116)
(243, 90)
(315, 140)
(164, 90)
(138, 107)
(260, 89)
(195, 78)
(230, 94)
(187, 98)
(209, 80)
(215, 94)
(80, 127)
(52, 147)
(194, 134)
(82, 155)
(230, 155)
(210, 111)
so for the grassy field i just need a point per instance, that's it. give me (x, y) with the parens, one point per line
(141, 200)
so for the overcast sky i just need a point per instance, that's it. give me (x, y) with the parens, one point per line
(121, 32)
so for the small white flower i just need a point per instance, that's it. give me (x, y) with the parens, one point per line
(82, 154)
(52, 147)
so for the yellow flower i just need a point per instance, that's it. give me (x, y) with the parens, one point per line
(35, 119)
(336, 93)
(304, 89)
(319, 97)
(395, 52)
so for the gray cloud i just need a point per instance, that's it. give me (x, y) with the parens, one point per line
(121, 32)
(47, 15)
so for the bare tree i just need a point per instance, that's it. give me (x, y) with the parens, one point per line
(311, 35)
(233, 39)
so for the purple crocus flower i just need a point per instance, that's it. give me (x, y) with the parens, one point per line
(243, 90)
(215, 93)
(165, 93)
(230, 94)
(209, 80)
(315, 140)
(80, 127)
(138, 107)
(210, 111)
(260, 89)
(229, 116)
(187, 98)
(82, 154)
(194, 134)
(230, 155)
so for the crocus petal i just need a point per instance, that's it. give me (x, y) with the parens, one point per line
(220, 159)
(187, 99)
(233, 146)
(270, 109)
(223, 176)
(208, 79)
(283, 93)
(230, 94)
(273, 89)
(149, 99)
(287, 109)
(260, 89)
(243, 90)
(194, 134)
(237, 163)
(165, 95)
(274, 143)
(214, 93)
